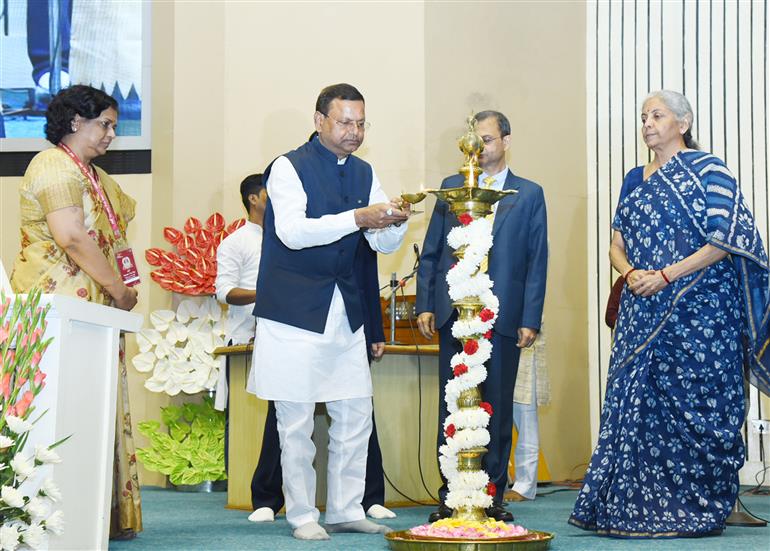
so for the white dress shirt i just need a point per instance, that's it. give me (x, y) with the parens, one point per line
(296, 365)
(238, 266)
(498, 184)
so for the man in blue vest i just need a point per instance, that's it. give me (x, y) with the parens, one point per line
(517, 266)
(310, 345)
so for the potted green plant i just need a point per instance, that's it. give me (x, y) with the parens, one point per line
(190, 450)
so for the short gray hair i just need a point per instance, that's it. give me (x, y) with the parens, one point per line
(681, 109)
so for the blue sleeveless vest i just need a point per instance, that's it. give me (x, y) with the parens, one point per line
(295, 287)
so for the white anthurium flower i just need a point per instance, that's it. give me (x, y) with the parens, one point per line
(160, 319)
(23, 467)
(204, 342)
(198, 325)
(187, 310)
(177, 354)
(162, 349)
(6, 441)
(55, 523)
(50, 489)
(11, 496)
(147, 338)
(144, 362)
(33, 536)
(17, 424)
(37, 508)
(9, 537)
(188, 350)
(219, 328)
(172, 388)
(154, 385)
(211, 382)
(210, 309)
(162, 369)
(177, 332)
(46, 456)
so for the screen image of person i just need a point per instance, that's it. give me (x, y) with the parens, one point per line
(73, 240)
(693, 313)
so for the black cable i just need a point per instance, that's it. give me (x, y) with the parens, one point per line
(419, 398)
(402, 493)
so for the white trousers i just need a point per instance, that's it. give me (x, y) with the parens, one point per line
(527, 444)
(349, 431)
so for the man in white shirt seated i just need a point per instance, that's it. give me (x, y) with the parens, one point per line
(237, 268)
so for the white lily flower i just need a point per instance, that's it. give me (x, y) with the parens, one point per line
(11, 496)
(46, 456)
(33, 536)
(17, 424)
(55, 523)
(51, 490)
(9, 537)
(22, 466)
(6, 441)
(37, 508)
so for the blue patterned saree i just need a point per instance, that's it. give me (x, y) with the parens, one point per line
(669, 449)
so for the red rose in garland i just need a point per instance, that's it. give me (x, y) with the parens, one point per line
(486, 314)
(488, 335)
(465, 219)
(486, 406)
(192, 268)
(471, 347)
(492, 489)
(460, 369)
(450, 431)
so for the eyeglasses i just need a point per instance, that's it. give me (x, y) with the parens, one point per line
(489, 139)
(351, 126)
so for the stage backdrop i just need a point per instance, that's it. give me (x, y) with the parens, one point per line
(714, 52)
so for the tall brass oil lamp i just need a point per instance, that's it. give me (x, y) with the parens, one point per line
(477, 202)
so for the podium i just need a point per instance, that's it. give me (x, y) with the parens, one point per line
(80, 395)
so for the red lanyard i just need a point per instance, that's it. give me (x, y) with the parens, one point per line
(94, 179)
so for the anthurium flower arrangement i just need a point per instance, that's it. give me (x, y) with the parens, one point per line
(192, 449)
(27, 505)
(178, 349)
(192, 267)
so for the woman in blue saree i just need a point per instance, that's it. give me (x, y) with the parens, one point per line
(693, 313)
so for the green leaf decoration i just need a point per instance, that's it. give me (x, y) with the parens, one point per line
(190, 449)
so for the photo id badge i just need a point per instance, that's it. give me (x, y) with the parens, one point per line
(127, 267)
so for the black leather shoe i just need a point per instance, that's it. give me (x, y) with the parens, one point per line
(498, 512)
(442, 512)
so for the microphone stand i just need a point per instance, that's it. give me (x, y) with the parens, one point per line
(395, 285)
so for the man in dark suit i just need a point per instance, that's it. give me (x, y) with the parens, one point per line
(517, 265)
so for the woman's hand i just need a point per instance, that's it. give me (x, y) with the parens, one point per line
(125, 297)
(646, 285)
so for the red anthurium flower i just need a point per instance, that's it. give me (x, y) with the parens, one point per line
(215, 222)
(153, 256)
(450, 431)
(471, 347)
(465, 218)
(192, 225)
(486, 406)
(459, 369)
(172, 235)
(492, 489)
(486, 314)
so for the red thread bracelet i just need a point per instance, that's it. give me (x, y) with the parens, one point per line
(662, 273)
(628, 273)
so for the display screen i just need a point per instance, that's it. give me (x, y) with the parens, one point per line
(47, 45)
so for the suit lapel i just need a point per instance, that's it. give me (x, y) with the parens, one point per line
(505, 205)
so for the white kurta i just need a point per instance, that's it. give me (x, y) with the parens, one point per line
(296, 365)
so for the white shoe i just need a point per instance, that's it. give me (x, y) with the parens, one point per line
(380, 512)
(263, 514)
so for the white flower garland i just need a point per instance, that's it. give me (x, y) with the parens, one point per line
(468, 426)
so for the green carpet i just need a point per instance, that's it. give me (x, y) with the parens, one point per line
(183, 521)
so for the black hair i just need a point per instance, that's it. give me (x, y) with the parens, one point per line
(336, 91)
(251, 185)
(502, 121)
(86, 101)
